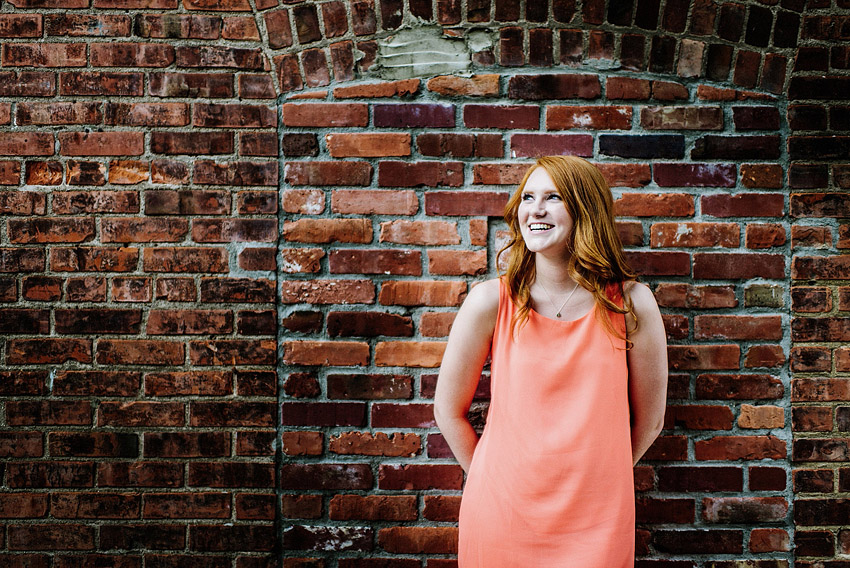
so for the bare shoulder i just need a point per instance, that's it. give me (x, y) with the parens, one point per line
(483, 298)
(641, 296)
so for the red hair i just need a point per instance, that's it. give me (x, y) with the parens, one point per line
(597, 259)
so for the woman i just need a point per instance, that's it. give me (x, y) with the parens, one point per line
(578, 383)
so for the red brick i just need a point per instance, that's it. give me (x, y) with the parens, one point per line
(409, 353)
(744, 509)
(627, 88)
(501, 116)
(202, 85)
(227, 290)
(695, 235)
(27, 84)
(232, 414)
(659, 263)
(413, 115)
(366, 261)
(376, 90)
(457, 263)
(124, 230)
(737, 327)
(147, 114)
(654, 204)
(186, 506)
(232, 352)
(100, 83)
(373, 507)
(44, 54)
(588, 117)
(379, 444)
(625, 175)
(185, 259)
(58, 113)
(689, 296)
(129, 536)
(139, 352)
(187, 202)
(684, 357)
(26, 144)
(49, 474)
(381, 202)
(694, 175)
(93, 444)
(131, 55)
(234, 230)
(74, 202)
(325, 114)
(536, 145)
(54, 350)
(474, 86)
(301, 443)
(328, 291)
(20, 25)
(301, 260)
(41, 288)
(419, 232)
(336, 353)
(101, 143)
(740, 447)
(738, 266)
(413, 174)
(21, 260)
(328, 173)
(240, 173)
(186, 444)
(51, 536)
(682, 118)
(769, 540)
(342, 145)
(175, 289)
(44, 173)
(96, 383)
(183, 383)
(220, 57)
(375, 386)
(48, 412)
(95, 506)
(23, 505)
(764, 356)
(178, 26)
(759, 417)
(189, 322)
(256, 86)
(765, 235)
(474, 203)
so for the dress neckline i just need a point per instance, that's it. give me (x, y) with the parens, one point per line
(541, 316)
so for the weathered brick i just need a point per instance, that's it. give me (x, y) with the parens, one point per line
(413, 174)
(325, 114)
(583, 117)
(501, 116)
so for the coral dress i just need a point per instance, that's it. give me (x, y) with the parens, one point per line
(550, 483)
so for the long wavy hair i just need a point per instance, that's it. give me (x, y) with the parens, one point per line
(596, 261)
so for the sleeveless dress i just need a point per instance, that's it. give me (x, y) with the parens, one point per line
(551, 483)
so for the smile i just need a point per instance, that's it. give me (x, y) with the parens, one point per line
(537, 227)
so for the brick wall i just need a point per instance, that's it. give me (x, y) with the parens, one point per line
(230, 255)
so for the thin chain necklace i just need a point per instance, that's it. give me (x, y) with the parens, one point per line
(558, 313)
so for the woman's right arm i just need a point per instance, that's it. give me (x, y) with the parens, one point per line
(460, 370)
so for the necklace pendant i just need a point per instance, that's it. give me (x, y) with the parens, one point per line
(558, 315)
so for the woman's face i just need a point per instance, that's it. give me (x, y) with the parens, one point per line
(544, 222)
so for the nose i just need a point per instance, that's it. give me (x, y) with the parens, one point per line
(539, 207)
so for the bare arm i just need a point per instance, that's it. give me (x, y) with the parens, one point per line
(647, 361)
(467, 349)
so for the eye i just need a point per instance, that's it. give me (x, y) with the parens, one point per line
(554, 196)
(526, 197)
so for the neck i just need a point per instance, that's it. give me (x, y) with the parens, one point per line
(552, 272)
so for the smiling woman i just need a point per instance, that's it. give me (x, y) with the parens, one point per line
(575, 399)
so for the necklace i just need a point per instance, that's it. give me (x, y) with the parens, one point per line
(558, 313)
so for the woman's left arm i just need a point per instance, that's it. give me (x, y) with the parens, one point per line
(647, 360)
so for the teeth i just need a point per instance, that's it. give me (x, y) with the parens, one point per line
(540, 226)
